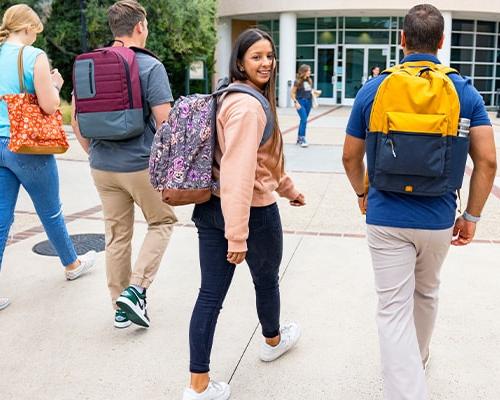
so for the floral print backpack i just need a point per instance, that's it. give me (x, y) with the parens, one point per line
(182, 154)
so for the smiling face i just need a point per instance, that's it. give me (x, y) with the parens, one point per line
(258, 63)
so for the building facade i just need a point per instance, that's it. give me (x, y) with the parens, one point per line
(343, 39)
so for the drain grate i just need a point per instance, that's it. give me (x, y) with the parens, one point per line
(83, 243)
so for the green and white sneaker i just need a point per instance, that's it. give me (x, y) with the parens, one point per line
(134, 305)
(121, 320)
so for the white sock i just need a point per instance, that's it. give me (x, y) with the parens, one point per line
(140, 289)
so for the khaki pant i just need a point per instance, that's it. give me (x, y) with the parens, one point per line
(407, 264)
(119, 191)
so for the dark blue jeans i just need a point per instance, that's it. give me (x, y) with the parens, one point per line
(265, 250)
(305, 109)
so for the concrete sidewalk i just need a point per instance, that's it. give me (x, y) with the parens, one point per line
(57, 339)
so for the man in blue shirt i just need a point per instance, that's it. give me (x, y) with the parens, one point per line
(409, 236)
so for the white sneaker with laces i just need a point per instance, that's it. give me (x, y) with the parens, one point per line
(4, 302)
(214, 391)
(304, 143)
(87, 261)
(290, 335)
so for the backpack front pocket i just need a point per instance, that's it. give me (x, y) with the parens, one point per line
(414, 145)
(404, 153)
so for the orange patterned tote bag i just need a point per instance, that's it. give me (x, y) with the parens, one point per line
(32, 131)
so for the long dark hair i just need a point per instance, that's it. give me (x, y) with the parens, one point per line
(244, 41)
(301, 74)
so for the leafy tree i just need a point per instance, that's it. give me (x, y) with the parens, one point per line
(4, 4)
(180, 31)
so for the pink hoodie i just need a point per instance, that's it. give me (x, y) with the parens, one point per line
(248, 173)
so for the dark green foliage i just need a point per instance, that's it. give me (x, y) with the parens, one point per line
(4, 4)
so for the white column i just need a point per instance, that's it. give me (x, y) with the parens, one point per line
(287, 56)
(223, 48)
(444, 54)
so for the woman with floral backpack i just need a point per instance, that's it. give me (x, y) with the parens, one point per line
(241, 221)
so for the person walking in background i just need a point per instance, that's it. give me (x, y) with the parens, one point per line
(242, 221)
(36, 173)
(302, 96)
(374, 72)
(411, 203)
(121, 175)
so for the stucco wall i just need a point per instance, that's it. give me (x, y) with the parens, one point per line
(350, 7)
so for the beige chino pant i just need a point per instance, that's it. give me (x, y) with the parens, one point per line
(407, 264)
(119, 192)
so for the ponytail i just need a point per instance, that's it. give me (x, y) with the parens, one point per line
(4, 34)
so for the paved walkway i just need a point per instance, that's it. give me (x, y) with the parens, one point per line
(57, 341)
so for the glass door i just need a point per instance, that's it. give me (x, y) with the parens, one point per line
(326, 61)
(359, 60)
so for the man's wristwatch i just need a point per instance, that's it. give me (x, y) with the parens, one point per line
(361, 195)
(470, 218)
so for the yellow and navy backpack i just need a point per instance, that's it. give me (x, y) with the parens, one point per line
(412, 143)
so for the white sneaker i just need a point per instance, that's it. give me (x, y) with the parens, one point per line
(87, 261)
(214, 391)
(4, 302)
(304, 143)
(290, 335)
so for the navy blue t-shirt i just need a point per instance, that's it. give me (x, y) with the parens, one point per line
(402, 210)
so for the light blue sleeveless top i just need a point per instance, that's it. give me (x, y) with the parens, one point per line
(9, 80)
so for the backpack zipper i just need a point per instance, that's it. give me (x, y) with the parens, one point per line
(129, 84)
(90, 79)
(391, 143)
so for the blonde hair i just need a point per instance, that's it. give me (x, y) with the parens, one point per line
(18, 18)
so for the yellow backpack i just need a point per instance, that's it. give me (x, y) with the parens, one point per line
(412, 144)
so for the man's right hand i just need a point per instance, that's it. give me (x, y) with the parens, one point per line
(463, 232)
(363, 203)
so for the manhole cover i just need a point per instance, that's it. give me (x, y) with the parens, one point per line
(83, 243)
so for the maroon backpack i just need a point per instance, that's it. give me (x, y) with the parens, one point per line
(107, 91)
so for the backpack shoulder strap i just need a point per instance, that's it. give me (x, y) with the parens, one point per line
(144, 51)
(242, 88)
(446, 70)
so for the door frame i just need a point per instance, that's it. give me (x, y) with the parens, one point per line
(365, 47)
(327, 100)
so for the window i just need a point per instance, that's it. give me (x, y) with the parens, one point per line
(305, 38)
(327, 23)
(486, 26)
(474, 46)
(327, 37)
(483, 70)
(485, 41)
(305, 53)
(462, 39)
(366, 37)
(485, 56)
(461, 54)
(306, 24)
(367, 22)
(464, 69)
(462, 25)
